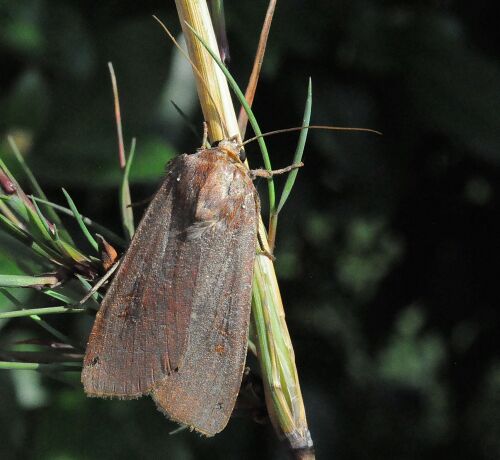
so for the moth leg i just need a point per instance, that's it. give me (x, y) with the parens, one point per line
(260, 249)
(263, 252)
(107, 275)
(268, 174)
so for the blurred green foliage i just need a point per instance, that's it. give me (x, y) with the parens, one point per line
(386, 251)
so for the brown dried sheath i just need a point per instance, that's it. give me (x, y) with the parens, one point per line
(174, 322)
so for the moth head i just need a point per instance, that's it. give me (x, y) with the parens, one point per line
(233, 148)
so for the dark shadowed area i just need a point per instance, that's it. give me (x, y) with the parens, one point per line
(387, 250)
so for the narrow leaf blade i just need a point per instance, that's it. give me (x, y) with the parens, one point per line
(125, 198)
(297, 158)
(79, 219)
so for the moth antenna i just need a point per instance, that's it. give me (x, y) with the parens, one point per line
(193, 65)
(118, 117)
(300, 128)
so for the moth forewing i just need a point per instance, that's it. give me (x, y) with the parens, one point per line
(174, 322)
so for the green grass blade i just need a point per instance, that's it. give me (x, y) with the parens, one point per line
(27, 171)
(39, 311)
(53, 331)
(18, 208)
(7, 212)
(67, 250)
(49, 239)
(17, 281)
(59, 335)
(88, 287)
(108, 234)
(290, 180)
(43, 356)
(40, 367)
(251, 117)
(62, 248)
(44, 226)
(24, 312)
(125, 199)
(36, 188)
(60, 296)
(79, 219)
(13, 230)
(16, 200)
(20, 366)
(23, 237)
(4, 168)
(11, 297)
(38, 227)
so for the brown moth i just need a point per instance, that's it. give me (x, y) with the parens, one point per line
(174, 322)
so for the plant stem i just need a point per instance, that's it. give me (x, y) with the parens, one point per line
(274, 349)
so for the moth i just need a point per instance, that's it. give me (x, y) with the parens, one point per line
(174, 321)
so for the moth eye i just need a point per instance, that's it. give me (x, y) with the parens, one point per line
(242, 155)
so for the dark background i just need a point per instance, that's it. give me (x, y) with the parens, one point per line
(387, 251)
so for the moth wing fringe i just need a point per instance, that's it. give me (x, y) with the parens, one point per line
(180, 422)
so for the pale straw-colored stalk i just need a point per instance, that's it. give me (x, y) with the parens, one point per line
(274, 348)
(215, 99)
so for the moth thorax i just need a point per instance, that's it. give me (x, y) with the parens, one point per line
(233, 148)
